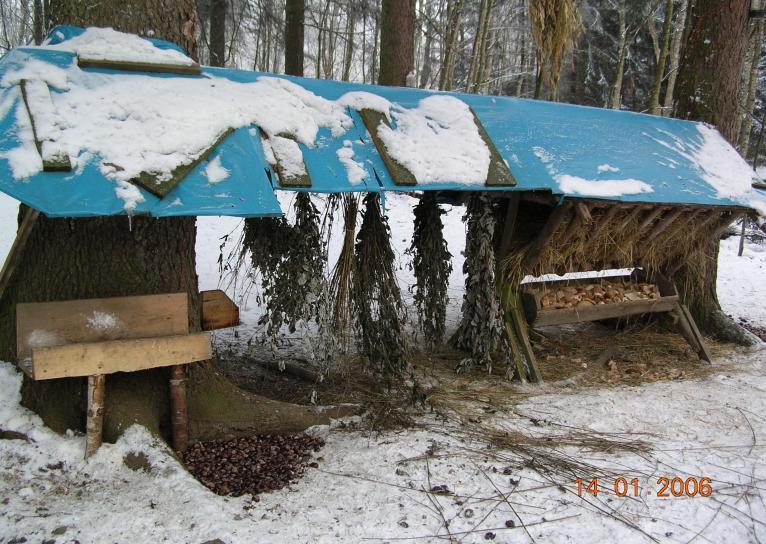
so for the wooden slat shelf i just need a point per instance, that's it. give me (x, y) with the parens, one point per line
(546, 318)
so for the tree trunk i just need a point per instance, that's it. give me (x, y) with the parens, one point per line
(709, 78)
(455, 13)
(38, 22)
(117, 256)
(294, 16)
(396, 41)
(659, 76)
(752, 88)
(218, 33)
(708, 89)
(675, 57)
(348, 52)
(615, 96)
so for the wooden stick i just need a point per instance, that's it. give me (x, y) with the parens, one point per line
(544, 236)
(664, 224)
(513, 312)
(518, 354)
(94, 424)
(702, 352)
(17, 249)
(179, 408)
(508, 227)
(629, 218)
(604, 221)
(742, 238)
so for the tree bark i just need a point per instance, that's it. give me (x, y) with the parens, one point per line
(708, 89)
(294, 16)
(455, 12)
(397, 47)
(659, 76)
(218, 33)
(709, 77)
(752, 88)
(615, 97)
(38, 22)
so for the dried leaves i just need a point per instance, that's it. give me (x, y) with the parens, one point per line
(377, 303)
(481, 330)
(431, 265)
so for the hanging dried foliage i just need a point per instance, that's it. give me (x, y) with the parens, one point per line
(481, 329)
(555, 25)
(431, 265)
(291, 260)
(377, 303)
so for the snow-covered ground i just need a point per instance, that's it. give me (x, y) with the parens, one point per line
(374, 487)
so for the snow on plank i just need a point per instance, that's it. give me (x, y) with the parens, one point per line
(45, 125)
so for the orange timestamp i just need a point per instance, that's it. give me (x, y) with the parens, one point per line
(666, 487)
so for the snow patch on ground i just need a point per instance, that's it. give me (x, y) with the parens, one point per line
(109, 44)
(602, 187)
(438, 142)
(215, 171)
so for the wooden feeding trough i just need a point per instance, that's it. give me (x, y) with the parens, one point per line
(563, 302)
(96, 337)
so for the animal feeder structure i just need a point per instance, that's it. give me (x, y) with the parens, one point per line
(90, 130)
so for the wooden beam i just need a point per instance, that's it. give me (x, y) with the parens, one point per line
(54, 160)
(399, 174)
(666, 221)
(161, 187)
(132, 66)
(119, 356)
(94, 422)
(703, 353)
(100, 319)
(516, 325)
(26, 226)
(561, 212)
(218, 311)
(634, 212)
(546, 318)
(539, 197)
(583, 211)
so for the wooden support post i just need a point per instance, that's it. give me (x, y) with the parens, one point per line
(699, 340)
(509, 225)
(559, 214)
(514, 315)
(94, 424)
(179, 408)
(518, 354)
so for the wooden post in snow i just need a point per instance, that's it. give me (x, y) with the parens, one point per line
(95, 418)
(179, 412)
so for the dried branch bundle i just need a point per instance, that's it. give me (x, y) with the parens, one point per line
(431, 265)
(555, 24)
(377, 303)
(481, 329)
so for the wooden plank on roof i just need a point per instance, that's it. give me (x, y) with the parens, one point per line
(302, 181)
(499, 175)
(132, 66)
(399, 174)
(54, 159)
(66, 322)
(93, 358)
(161, 187)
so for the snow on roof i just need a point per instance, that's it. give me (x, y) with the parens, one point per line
(116, 125)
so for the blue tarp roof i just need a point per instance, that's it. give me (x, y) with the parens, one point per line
(539, 142)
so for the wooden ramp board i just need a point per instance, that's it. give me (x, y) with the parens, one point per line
(47, 324)
(218, 311)
(119, 356)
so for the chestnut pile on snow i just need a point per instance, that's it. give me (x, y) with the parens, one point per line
(574, 296)
(251, 465)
